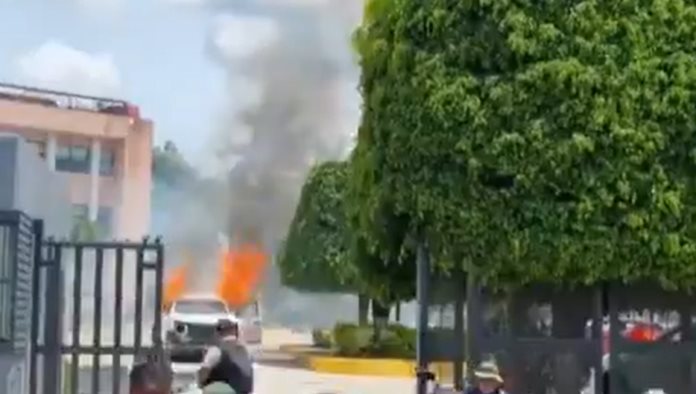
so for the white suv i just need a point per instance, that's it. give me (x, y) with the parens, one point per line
(190, 324)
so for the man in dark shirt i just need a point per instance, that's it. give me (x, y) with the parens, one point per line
(488, 380)
(228, 362)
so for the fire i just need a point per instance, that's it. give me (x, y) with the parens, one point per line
(241, 271)
(175, 286)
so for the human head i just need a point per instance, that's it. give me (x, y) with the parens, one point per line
(488, 377)
(227, 328)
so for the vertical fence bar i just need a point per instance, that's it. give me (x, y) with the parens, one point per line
(14, 258)
(52, 366)
(614, 338)
(459, 339)
(159, 279)
(76, 320)
(422, 294)
(474, 335)
(35, 304)
(118, 306)
(96, 339)
(599, 295)
(137, 340)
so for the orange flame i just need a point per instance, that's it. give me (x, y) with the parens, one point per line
(175, 286)
(241, 271)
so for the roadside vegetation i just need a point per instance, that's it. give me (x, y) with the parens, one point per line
(549, 142)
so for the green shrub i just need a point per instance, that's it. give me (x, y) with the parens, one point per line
(397, 342)
(351, 339)
(406, 334)
(322, 338)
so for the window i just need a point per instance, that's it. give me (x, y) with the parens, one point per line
(107, 162)
(73, 158)
(200, 307)
(5, 285)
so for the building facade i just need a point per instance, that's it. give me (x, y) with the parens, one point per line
(103, 147)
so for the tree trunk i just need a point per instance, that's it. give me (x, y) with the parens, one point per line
(363, 309)
(397, 312)
(380, 318)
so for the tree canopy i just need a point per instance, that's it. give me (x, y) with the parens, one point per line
(170, 168)
(539, 141)
(315, 255)
(322, 252)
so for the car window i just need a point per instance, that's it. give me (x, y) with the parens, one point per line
(200, 307)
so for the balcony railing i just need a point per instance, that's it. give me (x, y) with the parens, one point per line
(70, 101)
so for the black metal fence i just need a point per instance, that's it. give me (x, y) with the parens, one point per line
(16, 261)
(562, 341)
(666, 362)
(84, 311)
(543, 339)
(108, 323)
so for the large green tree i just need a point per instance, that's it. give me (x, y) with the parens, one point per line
(322, 252)
(538, 141)
(315, 255)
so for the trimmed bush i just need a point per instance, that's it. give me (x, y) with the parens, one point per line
(352, 340)
(397, 342)
(322, 339)
(407, 336)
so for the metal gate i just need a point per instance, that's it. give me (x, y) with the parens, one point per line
(94, 313)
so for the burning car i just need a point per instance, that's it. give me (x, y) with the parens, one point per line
(190, 320)
(190, 324)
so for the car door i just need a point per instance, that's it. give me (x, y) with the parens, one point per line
(250, 321)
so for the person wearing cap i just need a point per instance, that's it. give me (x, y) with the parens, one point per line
(227, 365)
(488, 380)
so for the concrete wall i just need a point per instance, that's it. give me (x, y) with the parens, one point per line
(26, 184)
(134, 215)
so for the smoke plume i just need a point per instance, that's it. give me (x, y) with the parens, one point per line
(296, 62)
(294, 102)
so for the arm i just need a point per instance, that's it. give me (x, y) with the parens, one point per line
(210, 360)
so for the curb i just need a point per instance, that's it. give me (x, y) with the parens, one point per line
(320, 362)
(362, 366)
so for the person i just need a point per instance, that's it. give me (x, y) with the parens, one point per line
(227, 363)
(488, 380)
(150, 377)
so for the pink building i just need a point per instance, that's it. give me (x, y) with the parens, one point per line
(103, 145)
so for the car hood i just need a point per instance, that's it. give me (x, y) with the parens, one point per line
(205, 318)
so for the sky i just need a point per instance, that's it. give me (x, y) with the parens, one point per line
(152, 53)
